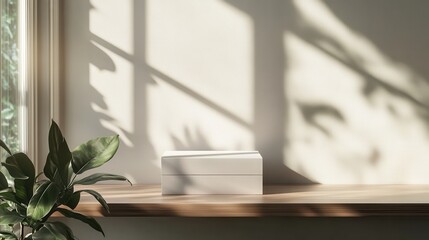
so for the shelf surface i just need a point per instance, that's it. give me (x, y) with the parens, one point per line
(281, 200)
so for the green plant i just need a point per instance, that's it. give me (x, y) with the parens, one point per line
(28, 203)
(9, 72)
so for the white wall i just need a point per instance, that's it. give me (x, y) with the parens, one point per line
(168, 75)
(357, 90)
(258, 228)
(328, 91)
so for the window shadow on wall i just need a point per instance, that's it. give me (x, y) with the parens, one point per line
(384, 44)
(271, 19)
(270, 109)
(271, 125)
(88, 110)
(386, 51)
(400, 33)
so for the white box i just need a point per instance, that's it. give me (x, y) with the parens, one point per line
(211, 172)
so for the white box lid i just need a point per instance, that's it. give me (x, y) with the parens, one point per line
(211, 162)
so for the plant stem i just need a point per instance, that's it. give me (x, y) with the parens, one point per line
(22, 231)
(54, 208)
(72, 181)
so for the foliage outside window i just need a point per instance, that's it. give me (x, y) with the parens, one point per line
(9, 60)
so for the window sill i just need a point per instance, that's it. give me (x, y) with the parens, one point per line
(280, 200)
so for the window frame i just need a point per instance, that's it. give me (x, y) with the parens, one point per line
(46, 75)
(27, 84)
(27, 76)
(39, 88)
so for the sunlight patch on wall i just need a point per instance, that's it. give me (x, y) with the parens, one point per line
(110, 73)
(112, 20)
(117, 90)
(180, 122)
(353, 117)
(349, 46)
(319, 91)
(208, 46)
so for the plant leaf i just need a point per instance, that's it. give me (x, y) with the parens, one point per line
(66, 194)
(22, 191)
(4, 146)
(7, 235)
(94, 153)
(57, 167)
(9, 216)
(23, 187)
(38, 183)
(46, 234)
(43, 200)
(14, 171)
(73, 200)
(97, 177)
(23, 163)
(55, 137)
(53, 231)
(97, 196)
(3, 182)
(9, 196)
(88, 220)
(51, 171)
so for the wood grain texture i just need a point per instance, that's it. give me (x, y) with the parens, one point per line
(284, 200)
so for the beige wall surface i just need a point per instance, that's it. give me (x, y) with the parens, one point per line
(166, 228)
(327, 91)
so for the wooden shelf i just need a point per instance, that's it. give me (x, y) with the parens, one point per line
(284, 200)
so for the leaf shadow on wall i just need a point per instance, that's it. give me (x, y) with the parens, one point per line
(82, 53)
(271, 124)
(385, 51)
(88, 50)
(359, 39)
(402, 41)
(192, 141)
(270, 20)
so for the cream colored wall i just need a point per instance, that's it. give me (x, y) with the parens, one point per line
(334, 90)
(257, 228)
(328, 91)
(357, 89)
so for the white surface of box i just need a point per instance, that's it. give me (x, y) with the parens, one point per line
(211, 172)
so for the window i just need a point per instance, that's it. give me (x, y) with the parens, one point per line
(9, 64)
(16, 74)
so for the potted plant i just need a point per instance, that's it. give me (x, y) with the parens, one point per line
(28, 203)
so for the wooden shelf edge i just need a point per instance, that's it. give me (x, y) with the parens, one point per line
(255, 210)
(278, 201)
